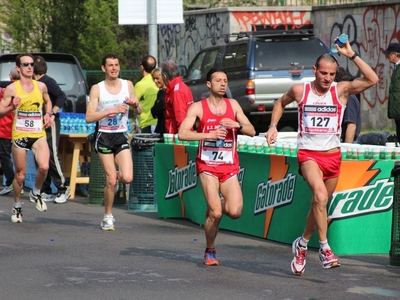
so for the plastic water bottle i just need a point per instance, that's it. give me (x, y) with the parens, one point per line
(220, 142)
(68, 123)
(81, 124)
(120, 115)
(74, 124)
(340, 41)
(62, 122)
(92, 127)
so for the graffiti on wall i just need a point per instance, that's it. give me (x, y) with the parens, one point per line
(348, 27)
(294, 19)
(378, 32)
(382, 27)
(180, 43)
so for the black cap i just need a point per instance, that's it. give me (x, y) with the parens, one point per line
(393, 47)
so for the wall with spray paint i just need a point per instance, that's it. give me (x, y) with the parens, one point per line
(370, 26)
(181, 42)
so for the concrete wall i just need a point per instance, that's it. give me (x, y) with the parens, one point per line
(371, 27)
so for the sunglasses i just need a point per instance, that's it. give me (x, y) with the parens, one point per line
(25, 64)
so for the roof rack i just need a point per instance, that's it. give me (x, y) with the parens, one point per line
(278, 30)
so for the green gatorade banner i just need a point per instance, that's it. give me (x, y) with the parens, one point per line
(276, 199)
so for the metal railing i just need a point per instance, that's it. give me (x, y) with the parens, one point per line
(203, 4)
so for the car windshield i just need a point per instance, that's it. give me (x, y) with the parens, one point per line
(61, 72)
(286, 54)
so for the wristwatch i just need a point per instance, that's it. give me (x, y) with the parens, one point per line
(240, 126)
(354, 56)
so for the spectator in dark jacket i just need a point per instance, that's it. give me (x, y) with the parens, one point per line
(351, 125)
(392, 53)
(58, 99)
(158, 109)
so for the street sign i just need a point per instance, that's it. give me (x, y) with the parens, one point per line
(139, 12)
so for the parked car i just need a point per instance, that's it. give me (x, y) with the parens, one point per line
(66, 71)
(261, 66)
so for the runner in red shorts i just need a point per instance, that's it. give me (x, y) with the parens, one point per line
(321, 105)
(218, 121)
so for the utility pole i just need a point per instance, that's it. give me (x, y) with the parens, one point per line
(152, 21)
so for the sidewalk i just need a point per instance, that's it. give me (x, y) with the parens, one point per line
(63, 254)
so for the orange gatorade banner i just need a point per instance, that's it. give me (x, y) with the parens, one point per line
(277, 199)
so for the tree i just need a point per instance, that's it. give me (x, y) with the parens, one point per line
(67, 20)
(86, 28)
(26, 24)
(103, 35)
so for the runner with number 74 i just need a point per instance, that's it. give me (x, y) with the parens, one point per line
(217, 118)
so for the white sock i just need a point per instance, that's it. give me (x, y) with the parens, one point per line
(36, 191)
(17, 204)
(107, 216)
(324, 245)
(303, 242)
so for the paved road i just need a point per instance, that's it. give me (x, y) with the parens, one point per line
(63, 254)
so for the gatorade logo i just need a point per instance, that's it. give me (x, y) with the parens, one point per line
(181, 179)
(273, 194)
(364, 200)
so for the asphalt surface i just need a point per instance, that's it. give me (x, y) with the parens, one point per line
(63, 254)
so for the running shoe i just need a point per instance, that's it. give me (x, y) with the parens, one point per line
(210, 257)
(108, 223)
(16, 215)
(60, 198)
(6, 190)
(67, 192)
(328, 259)
(46, 197)
(40, 204)
(298, 264)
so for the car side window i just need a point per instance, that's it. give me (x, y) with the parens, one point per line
(195, 68)
(241, 56)
(235, 56)
(209, 60)
(63, 74)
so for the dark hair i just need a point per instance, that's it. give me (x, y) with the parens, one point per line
(149, 63)
(342, 75)
(170, 69)
(212, 71)
(328, 57)
(40, 67)
(18, 59)
(108, 55)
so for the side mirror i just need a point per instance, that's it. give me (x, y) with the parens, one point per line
(182, 70)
